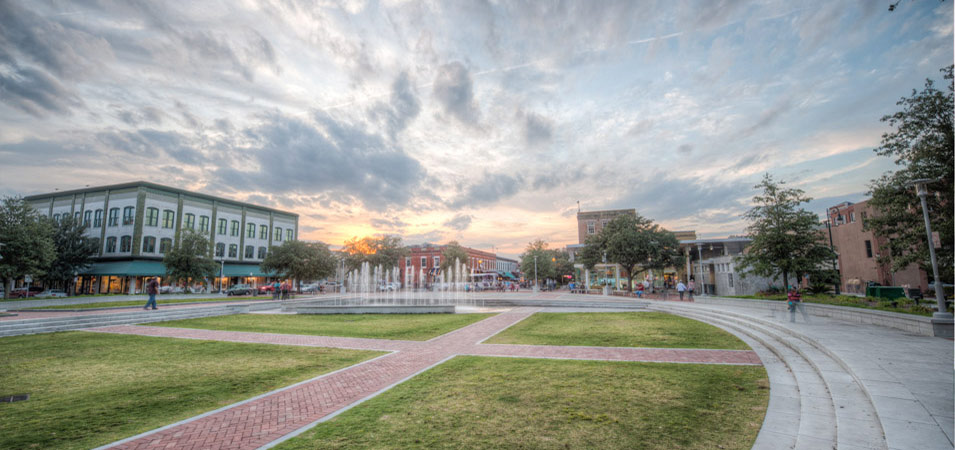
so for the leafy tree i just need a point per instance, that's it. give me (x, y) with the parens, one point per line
(452, 252)
(300, 261)
(27, 242)
(635, 243)
(922, 142)
(785, 239)
(74, 251)
(545, 263)
(385, 251)
(562, 265)
(190, 259)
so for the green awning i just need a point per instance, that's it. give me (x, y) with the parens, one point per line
(510, 275)
(245, 270)
(126, 268)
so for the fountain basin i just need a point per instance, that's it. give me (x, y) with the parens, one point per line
(374, 309)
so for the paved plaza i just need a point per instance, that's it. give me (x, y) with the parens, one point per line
(833, 384)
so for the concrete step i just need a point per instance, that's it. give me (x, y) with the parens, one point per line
(11, 328)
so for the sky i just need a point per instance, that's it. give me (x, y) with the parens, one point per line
(483, 122)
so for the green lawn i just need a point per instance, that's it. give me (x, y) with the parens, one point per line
(624, 329)
(159, 302)
(901, 305)
(90, 389)
(477, 402)
(415, 327)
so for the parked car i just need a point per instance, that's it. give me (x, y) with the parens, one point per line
(51, 293)
(171, 289)
(266, 289)
(393, 286)
(312, 288)
(22, 292)
(240, 289)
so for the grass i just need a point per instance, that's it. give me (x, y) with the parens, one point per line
(478, 402)
(624, 329)
(902, 305)
(415, 327)
(142, 302)
(90, 389)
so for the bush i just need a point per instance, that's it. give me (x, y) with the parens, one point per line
(818, 288)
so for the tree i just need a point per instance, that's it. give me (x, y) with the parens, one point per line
(635, 243)
(785, 239)
(383, 251)
(27, 242)
(300, 261)
(190, 259)
(545, 264)
(452, 252)
(922, 142)
(74, 251)
(563, 268)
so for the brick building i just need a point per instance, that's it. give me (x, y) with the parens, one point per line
(859, 250)
(417, 269)
(591, 222)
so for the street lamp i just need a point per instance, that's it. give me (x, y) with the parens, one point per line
(536, 287)
(833, 249)
(921, 187)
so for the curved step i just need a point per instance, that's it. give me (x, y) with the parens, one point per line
(856, 419)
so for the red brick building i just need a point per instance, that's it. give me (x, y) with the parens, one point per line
(429, 257)
(859, 250)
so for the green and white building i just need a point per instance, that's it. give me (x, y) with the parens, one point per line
(137, 223)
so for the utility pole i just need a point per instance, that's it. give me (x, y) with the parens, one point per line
(921, 186)
(832, 247)
(536, 287)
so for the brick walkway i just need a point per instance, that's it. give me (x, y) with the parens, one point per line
(263, 420)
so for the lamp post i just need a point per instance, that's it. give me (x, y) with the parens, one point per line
(833, 249)
(536, 287)
(221, 272)
(921, 187)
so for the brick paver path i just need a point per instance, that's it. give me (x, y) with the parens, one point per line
(260, 421)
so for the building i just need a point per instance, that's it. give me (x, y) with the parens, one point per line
(858, 251)
(136, 223)
(711, 263)
(508, 268)
(419, 268)
(591, 222)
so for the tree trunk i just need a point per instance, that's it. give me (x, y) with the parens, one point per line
(7, 283)
(786, 281)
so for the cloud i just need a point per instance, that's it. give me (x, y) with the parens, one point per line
(454, 91)
(429, 237)
(459, 222)
(153, 144)
(35, 92)
(392, 223)
(664, 197)
(685, 149)
(488, 190)
(290, 155)
(402, 109)
(538, 130)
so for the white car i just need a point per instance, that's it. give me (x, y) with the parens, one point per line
(394, 286)
(171, 289)
(50, 293)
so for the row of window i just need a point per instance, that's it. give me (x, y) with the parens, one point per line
(169, 221)
(234, 250)
(165, 244)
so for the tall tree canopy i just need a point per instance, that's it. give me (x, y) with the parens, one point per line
(300, 261)
(385, 251)
(785, 237)
(27, 242)
(635, 243)
(922, 143)
(190, 258)
(544, 258)
(452, 252)
(74, 251)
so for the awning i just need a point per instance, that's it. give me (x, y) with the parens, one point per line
(245, 270)
(126, 268)
(510, 275)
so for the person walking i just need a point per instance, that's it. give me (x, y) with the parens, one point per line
(681, 288)
(794, 301)
(690, 288)
(275, 290)
(152, 288)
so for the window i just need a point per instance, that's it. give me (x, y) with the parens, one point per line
(96, 244)
(249, 251)
(220, 250)
(235, 228)
(76, 216)
(437, 261)
(289, 234)
(190, 220)
(591, 227)
(111, 244)
(868, 249)
(128, 213)
(852, 217)
(204, 224)
(152, 217)
(730, 279)
(603, 223)
(165, 244)
(113, 217)
(126, 244)
(168, 219)
(278, 234)
(407, 262)
(87, 218)
(263, 232)
(233, 250)
(149, 244)
(222, 226)
(424, 262)
(98, 221)
(262, 251)
(250, 230)
(56, 218)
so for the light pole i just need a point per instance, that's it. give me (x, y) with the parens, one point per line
(536, 287)
(833, 249)
(221, 272)
(921, 187)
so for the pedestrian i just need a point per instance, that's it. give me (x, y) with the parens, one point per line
(639, 290)
(794, 301)
(690, 288)
(285, 289)
(152, 288)
(275, 290)
(681, 288)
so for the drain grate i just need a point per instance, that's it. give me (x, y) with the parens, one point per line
(14, 398)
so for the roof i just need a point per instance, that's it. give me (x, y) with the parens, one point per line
(136, 184)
